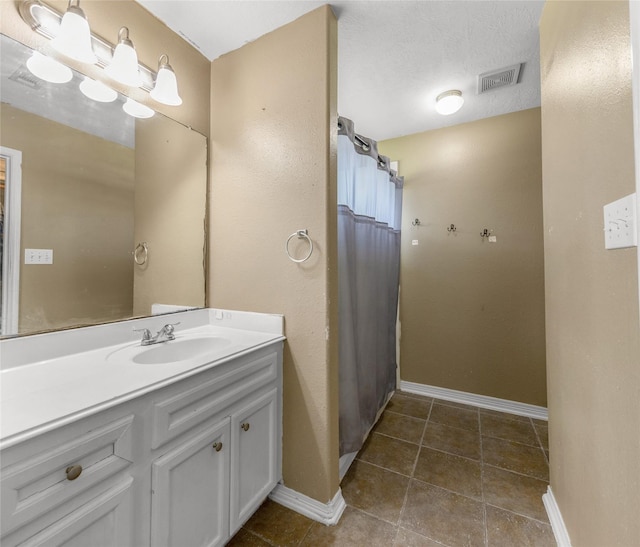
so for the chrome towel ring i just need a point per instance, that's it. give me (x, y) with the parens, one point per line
(141, 253)
(302, 234)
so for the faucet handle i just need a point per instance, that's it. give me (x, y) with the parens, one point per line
(169, 327)
(146, 333)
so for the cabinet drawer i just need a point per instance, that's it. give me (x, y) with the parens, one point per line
(186, 407)
(104, 521)
(39, 483)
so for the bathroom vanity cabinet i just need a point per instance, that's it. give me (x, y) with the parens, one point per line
(185, 464)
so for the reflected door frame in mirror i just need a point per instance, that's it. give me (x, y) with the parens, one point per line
(10, 254)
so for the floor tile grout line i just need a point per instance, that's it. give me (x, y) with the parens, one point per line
(394, 438)
(479, 500)
(540, 442)
(516, 513)
(415, 463)
(484, 502)
(451, 453)
(385, 468)
(516, 472)
(306, 534)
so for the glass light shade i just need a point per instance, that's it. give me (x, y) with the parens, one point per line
(97, 91)
(449, 102)
(74, 36)
(48, 69)
(166, 89)
(124, 65)
(137, 110)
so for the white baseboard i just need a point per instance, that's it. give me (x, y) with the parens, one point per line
(326, 513)
(483, 401)
(555, 518)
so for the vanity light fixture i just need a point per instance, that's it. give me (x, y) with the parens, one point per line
(74, 36)
(449, 102)
(97, 91)
(137, 110)
(124, 65)
(48, 69)
(120, 62)
(166, 89)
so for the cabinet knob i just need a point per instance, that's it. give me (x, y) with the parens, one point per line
(245, 426)
(217, 446)
(73, 472)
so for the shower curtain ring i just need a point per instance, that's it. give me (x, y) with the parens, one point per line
(302, 234)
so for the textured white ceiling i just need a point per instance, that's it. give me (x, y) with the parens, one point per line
(394, 56)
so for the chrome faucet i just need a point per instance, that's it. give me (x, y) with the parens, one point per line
(163, 335)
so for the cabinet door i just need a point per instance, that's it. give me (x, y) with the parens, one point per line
(254, 466)
(190, 491)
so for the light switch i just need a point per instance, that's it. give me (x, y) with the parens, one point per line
(620, 222)
(38, 256)
(414, 242)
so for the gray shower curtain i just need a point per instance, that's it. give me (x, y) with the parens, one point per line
(369, 214)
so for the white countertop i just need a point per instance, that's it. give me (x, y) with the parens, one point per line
(44, 385)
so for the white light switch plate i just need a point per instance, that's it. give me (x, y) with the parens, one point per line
(620, 220)
(38, 256)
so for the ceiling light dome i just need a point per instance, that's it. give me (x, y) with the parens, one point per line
(449, 102)
(74, 36)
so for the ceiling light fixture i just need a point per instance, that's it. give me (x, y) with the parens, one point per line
(449, 102)
(74, 35)
(137, 110)
(124, 65)
(48, 69)
(97, 91)
(166, 89)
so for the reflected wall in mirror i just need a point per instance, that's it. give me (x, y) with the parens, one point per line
(94, 183)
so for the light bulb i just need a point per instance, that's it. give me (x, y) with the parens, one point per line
(166, 89)
(97, 91)
(137, 110)
(48, 69)
(449, 102)
(124, 65)
(74, 36)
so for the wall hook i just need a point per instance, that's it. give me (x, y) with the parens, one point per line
(415, 222)
(485, 233)
(451, 228)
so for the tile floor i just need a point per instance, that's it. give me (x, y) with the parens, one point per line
(432, 473)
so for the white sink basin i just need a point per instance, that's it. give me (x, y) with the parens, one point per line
(183, 348)
(180, 350)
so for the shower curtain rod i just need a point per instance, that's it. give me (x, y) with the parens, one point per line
(346, 127)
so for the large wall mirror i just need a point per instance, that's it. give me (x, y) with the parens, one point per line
(103, 214)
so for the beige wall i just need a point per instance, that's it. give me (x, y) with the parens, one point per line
(593, 335)
(151, 39)
(170, 203)
(472, 312)
(81, 206)
(273, 140)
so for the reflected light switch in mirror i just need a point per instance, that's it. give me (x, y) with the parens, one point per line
(38, 256)
(620, 223)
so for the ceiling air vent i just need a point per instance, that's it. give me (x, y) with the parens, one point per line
(24, 77)
(498, 78)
